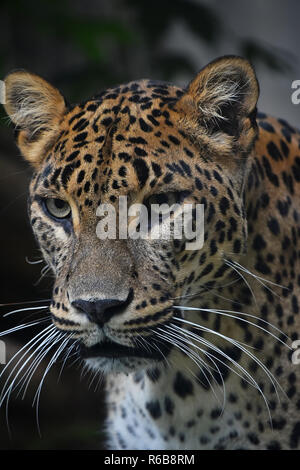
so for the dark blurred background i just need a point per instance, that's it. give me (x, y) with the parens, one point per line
(83, 47)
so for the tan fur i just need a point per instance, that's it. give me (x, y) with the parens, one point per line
(227, 82)
(35, 107)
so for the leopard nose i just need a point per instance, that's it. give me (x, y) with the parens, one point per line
(100, 311)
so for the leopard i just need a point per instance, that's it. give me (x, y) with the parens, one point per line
(198, 347)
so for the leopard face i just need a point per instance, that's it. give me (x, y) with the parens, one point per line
(150, 142)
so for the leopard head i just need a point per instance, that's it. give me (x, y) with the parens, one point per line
(149, 142)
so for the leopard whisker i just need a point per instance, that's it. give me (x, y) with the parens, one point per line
(205, 342)
(94, 374)
(268, 281)
(34, 262)
(203, 366)
(228, 313)
(44, 272)
(66, 358)
(271, 377)
(65, 338)
(154, 345)
(38, 349)
(24, 325)
(251, 380)
(203, 363)
(237, 267)
(207, 289)
(210, 345)
(84, 370)
(27, 309)
(6, 390)
(33, 342)
(24, 303)
(142, 342)
(228, 263)
(100, 380)
(35, 364)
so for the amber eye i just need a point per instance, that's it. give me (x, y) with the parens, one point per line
(58, 208)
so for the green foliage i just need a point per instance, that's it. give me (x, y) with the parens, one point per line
(156, 16)
(83, 52)
(275, 59)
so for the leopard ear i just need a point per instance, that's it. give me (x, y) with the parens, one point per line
(220, 103)
(36, 108)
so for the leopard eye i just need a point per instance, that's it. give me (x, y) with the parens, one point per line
(58, 208)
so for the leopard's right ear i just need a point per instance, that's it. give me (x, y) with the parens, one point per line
(36, 108)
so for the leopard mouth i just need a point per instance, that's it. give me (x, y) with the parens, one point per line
(112, 350)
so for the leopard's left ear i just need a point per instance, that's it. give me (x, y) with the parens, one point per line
(36, 108)
(220, 104)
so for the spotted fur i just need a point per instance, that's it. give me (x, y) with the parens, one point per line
(220, 319)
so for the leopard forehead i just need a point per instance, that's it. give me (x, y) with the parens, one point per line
(131, 139)
(128, 137)
(109, 140)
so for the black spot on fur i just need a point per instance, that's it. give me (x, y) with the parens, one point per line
(169, 405)
(67, 173)
(267, 126)
(273, 226)
(182, 386)
(295, 436)
(142, 171)
(144, 126)
(224, 205)
(154, 409)
(274, 151)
